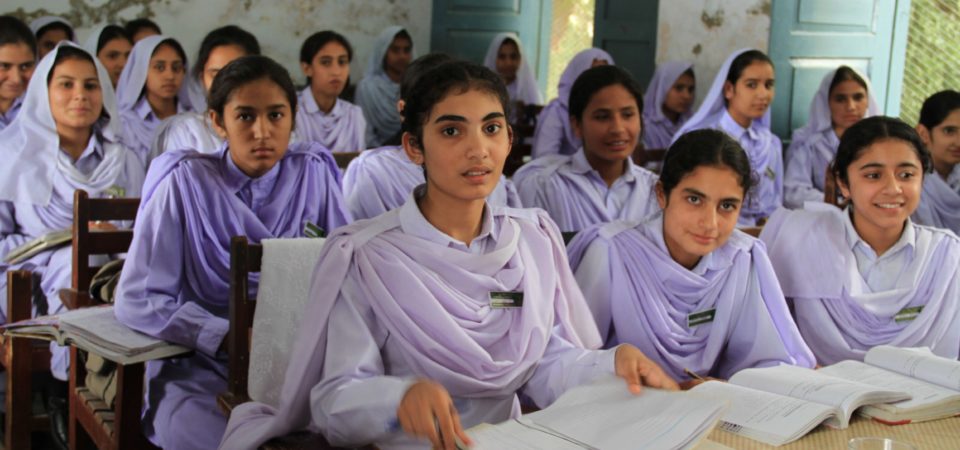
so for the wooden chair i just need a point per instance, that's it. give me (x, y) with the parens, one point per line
(523, 130)
(22, 359)
(752, 231)
(644, 156)
(92, 424)
(246, 258)
(831, 193)
(343, 158)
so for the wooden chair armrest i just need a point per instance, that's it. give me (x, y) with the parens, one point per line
(228, 400)
(73, 299)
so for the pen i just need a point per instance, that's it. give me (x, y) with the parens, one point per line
(692, 374)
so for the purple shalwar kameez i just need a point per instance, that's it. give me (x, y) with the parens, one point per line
(847, 299)
(575, 196)
(724, 315)
(397, 300)
(382, 179)
(175, 283)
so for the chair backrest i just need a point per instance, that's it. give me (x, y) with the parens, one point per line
(245, 258)
(87, 243)
(831, 193)
(343, 158)
(286, 274)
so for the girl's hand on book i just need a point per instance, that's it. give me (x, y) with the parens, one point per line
(690, 384)
(634, 367)
(427, 411)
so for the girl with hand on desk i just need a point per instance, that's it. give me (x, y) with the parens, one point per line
(433, 317)
(867, 275)
(175, 283)
(687, 288)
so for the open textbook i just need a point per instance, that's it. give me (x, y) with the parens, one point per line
(777, 405)
(98, 331)
(32, 247)
(605, 415)
(932, 381)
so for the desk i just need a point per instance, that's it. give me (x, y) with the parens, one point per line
(934, 435)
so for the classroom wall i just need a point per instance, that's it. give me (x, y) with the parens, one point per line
(280, 25)
(707, 31)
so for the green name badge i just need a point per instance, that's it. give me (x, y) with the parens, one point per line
(500, 300)
(701, 317)
(115, 192)
(771, 174)
(908, 314)
(311, 230)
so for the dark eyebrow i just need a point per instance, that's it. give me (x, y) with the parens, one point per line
(695, 192)
(450, 118)
(493, 115)
(876, 165)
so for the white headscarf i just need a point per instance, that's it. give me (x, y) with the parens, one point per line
(661, 83)
(90, 45)
(41, 22)
(714, 104)
(526, 90)
(377, 94)
(820, 119)
(31, 142)
(136, 134)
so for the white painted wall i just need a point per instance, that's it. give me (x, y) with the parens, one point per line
(280, 25)
(707, 31)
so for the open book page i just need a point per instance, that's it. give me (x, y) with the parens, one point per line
(32, 247)
(917, 363)
(815, 386)
(514, 435)
(769, 418)
(604, 414)
(98, 324)
(923, 393)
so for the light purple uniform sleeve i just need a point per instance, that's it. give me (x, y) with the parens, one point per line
(355, 403)
(798, 181)
(10, 238)
(151, 285)
(565, 366)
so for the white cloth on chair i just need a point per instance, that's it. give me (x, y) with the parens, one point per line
(286, 272)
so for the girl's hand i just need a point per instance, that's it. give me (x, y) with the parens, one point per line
(427, 411)
(634, 367)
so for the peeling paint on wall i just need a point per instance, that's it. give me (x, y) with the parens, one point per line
(712, 20)
(707, 31)
(763, 7)
(280, 25)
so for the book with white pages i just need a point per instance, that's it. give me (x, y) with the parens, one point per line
(780, 404)
(98, 331)
(605, 415)
(925, 376)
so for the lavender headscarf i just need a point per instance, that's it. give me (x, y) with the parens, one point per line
(138, 134)
(651, 296)
(658, 130)
(524, 88)
(838, 314)
(939, 204)
(41, 22)
(554, 134)
(441, 315)
(377, 94)
(31, 142)
(814, 145)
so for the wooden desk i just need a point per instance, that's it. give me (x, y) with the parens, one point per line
(935, 435)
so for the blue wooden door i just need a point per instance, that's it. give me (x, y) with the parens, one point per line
(464, 28)
(627, 29)
(808, 38)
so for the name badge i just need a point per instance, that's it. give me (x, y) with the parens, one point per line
(114, 192)
(500, 300)
(908, 314)
(771, 174)
(311, 230)
(701, 317)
